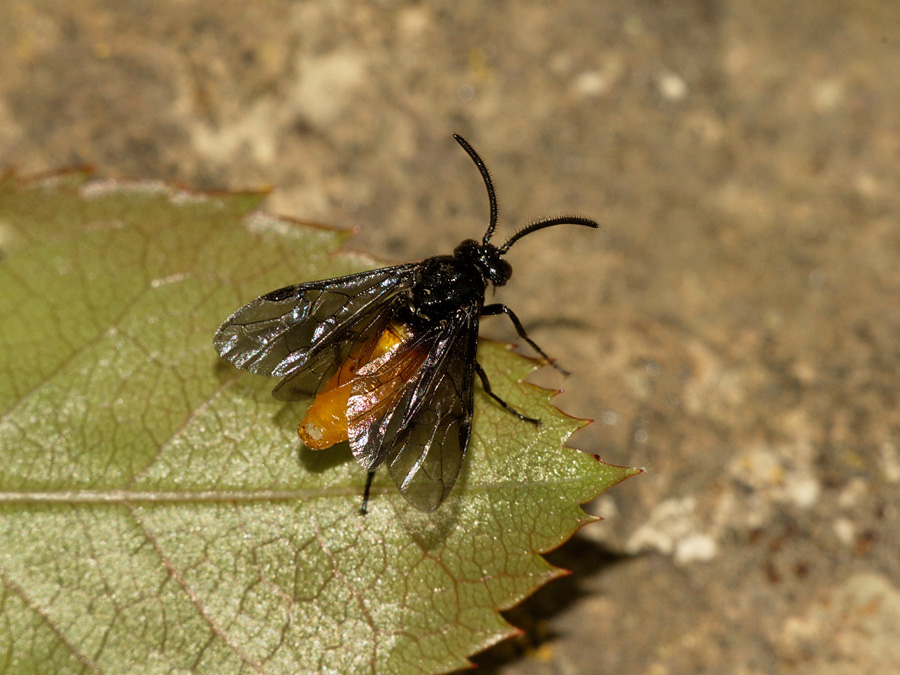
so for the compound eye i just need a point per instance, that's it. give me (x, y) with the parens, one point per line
(501, 273)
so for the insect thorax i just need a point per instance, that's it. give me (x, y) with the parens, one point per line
(445, 284)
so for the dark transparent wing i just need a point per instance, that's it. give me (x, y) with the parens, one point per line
(424, 431)
(304, 333)
(380, 389)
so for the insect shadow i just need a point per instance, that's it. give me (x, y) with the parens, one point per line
(429, 530)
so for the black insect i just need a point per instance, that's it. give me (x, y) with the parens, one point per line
(389, 355)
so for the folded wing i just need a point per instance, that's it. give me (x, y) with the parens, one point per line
(304, 333)
(414, 410)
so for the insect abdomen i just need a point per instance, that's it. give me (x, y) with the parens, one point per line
(325, 422)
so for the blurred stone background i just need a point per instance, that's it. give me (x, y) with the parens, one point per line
(733, 327)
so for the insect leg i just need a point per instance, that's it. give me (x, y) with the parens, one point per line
(365, 505)
(493, 310)
(506, 406)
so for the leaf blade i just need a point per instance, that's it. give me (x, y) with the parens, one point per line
(155, 506)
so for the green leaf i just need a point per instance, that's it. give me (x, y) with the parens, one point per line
(157, 511)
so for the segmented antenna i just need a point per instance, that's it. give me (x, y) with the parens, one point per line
(549, 222)
(492, 196)
(487, 183)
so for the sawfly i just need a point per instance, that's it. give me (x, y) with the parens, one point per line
(389, 355)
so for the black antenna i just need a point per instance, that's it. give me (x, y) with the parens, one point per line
(549, 222)
(487, 183)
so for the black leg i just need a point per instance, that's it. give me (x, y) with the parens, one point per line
(487, 390)
(493, 310)
(365, 505)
